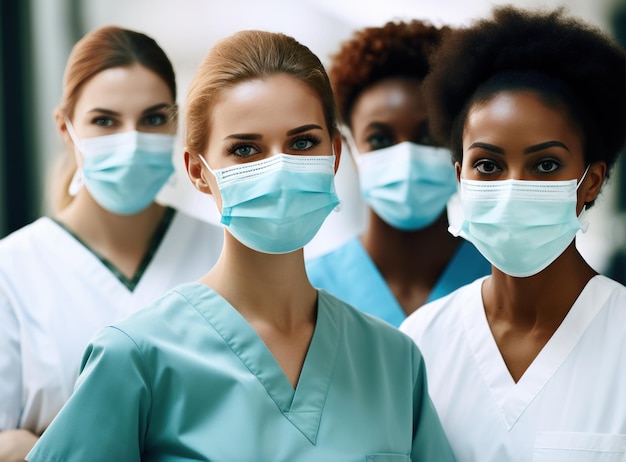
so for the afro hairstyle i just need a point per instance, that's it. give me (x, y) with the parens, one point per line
(397, 49)
(561, 58)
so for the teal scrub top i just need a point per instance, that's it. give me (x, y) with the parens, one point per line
(350, 274)
(189, 379)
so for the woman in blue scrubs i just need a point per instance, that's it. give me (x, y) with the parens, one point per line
(252, 362)
(405, 257)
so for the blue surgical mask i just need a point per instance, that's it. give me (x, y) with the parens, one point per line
(277, 205)
(123, 172)
(521, 227)
(407, 185)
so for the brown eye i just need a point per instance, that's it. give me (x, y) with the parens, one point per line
(486, 166)
(548, 166)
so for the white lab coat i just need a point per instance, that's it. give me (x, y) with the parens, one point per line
(570, 404)
(55, 294)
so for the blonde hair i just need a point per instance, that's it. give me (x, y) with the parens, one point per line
(249, 55)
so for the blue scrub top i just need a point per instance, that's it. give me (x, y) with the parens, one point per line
(189, 379)
(350, 274)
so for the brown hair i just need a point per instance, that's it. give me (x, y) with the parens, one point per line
(249, 55)
(397, 49)
(104, 48)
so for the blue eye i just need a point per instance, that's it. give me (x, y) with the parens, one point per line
(154, 120)
(243, 150)
(103, 122)
(305, 143)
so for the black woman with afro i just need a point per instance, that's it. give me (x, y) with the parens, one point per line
(529, 363)
(405, 256)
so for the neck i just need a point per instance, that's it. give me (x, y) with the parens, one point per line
(270, 288)
(542, 300)
(100, 228)
(409, 256)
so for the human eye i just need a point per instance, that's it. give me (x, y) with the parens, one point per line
(242, 150)
(548, 165)
(486, 167)
(379, 140)
(155, 120)
(305, 143)
(103, 121)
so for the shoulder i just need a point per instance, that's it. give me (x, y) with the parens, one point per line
(441, 313)
(177, 302)
(358, 325)
(25, 236)
(614, 293)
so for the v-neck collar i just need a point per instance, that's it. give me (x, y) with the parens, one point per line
(514, 398)
(155, 241)
(303, 406)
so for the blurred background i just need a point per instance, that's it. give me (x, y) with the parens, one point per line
(36, 37)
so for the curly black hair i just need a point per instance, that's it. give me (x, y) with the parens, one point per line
(567, 62)
(397, 49)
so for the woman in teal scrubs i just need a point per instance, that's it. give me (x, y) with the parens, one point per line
(251, 363)
(405, 257)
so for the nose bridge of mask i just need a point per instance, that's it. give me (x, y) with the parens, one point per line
(250, 170)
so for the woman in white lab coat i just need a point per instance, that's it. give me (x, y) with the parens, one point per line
(529, 362)
(110, 248)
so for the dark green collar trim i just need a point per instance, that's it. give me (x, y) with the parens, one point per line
(155, 242)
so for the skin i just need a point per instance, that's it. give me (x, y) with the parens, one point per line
(389, 112)
(113, 101)
(515, 135)
(251, 121)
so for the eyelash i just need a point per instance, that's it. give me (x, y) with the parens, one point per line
(111, 122)
(313, 139)
(233, 148)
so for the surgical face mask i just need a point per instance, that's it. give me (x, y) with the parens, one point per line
(277, 205)
(123, 172)
(407, 185)
(521, 227)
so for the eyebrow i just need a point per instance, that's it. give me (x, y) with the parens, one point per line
(304, 128)
(529, 150)
(546, 145)
(254, 136)
(156, 107)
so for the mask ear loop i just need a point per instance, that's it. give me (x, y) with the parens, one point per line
(78, 179)
(584, 224)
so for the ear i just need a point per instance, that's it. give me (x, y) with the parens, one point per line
(457, 167)
(59, 120)
(194, 168)
(592, 184)
(337, 149)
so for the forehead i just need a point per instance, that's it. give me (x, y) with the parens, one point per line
(519, 118)
(120, 88)
(388, 98)
(273, 104)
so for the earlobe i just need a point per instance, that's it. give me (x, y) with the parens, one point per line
(194, 171)
(457, 168)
